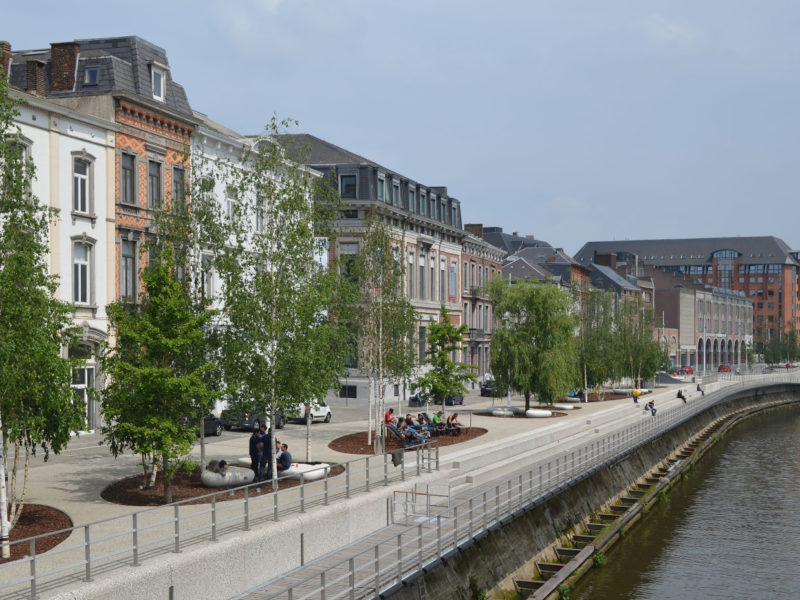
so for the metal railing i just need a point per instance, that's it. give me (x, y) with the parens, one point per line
(404, 550)
(127, 540)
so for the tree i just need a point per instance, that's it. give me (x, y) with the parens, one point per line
(155, 374)
(282, 339)
(37, 406)
(385, 319)
(596, 348)
(445, 377)
(638, 350)
(533, 347)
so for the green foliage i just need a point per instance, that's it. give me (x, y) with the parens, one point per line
(155, 374)
(564, 592)
(445, 377)
(599, 559)
(283, 338)
(36, 403)
(597, 344)
(533, 347)
(476, 592)
(385, 319)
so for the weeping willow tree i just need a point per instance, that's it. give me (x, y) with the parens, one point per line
(533, 345)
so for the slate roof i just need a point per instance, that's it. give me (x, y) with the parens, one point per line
(545, 255)
(610, 275)
(123, 63)
(523, 269)
(693, 251)
(314, 151)
(509, 242)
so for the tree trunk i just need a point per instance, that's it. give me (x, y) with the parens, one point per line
(527, 401)
(5, 552)
(153, 473)
(167, 480)
(308, 433)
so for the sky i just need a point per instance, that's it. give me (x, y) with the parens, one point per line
(571, 121)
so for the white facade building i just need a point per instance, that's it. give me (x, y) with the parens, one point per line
(73, 156)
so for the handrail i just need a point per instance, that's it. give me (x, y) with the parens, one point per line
(184, 523)
(460, 523)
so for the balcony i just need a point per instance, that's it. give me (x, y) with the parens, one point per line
(476, 335)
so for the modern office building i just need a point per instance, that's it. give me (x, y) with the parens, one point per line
(764, 269)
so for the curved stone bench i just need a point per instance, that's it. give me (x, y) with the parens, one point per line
(538, 413)
(234, 476)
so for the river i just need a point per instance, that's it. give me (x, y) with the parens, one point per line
(729, 531)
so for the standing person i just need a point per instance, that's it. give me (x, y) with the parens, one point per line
(255, 453)
(265, 461)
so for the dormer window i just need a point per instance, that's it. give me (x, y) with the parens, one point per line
(91, 75)
(157, 75)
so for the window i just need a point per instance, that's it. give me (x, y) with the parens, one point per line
(421, 282)
(411, 275)
(127, 270)
(347, 391)
(90, 75)
(381, 189)
(153, 184)
(230, 199)
(422, 349)
(127, 179)
(260, 214)
(207, 276)
(178, 185)
(347, 260)
(347, 186)
(422, 204)
(80, 273)
(442, 281)
(158, 82)
(412, 200)
(396, 194)
(80, 185)
(464, 277)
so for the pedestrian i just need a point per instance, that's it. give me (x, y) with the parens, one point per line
(265, 460)
(255, 454)
(699, 389)
(652, 406)
(682, 397)
(636, 393)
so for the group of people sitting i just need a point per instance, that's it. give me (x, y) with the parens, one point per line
(417, 431)
(261, 454)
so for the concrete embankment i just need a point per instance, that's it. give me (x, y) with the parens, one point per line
(510, 551)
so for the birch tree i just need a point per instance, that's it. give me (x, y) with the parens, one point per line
(37, 407)
(385, 319)
(283, 339)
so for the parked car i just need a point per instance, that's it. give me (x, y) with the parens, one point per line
(687, 370)
(724, 369)
(249, 420)
(320, 411)
(451, 400)
(212, 425)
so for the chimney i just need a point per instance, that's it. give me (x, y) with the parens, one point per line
(606, 259)
(64, 58)
(35, 76)
(475, 229)
(5, 56)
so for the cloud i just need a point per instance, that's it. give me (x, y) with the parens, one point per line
(663, 31)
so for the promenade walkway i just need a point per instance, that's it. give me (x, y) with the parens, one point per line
(465, 470)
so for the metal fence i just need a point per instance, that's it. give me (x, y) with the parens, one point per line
(127, 540)
(392, 556)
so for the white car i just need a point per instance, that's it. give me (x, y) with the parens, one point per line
(320, 411)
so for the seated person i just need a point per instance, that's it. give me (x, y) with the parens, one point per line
(387, 418)
(285, 459)
(410, 420)
(453, 426)
(215, 466)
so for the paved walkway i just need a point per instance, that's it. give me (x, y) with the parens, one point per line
(73, 481)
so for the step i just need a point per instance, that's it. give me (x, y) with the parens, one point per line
(528, 585)
(628, 500)
(619, 509)
(596, 527)
(644, 486)
(607, 516)
(549, 569)
(567, 552)
(581, 539)
(636, 493)
(652, 480)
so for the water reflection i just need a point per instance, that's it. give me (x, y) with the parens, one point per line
(731, 531)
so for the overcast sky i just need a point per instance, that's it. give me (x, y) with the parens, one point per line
(572, 121)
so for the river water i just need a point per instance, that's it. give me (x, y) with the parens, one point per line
(729, 531)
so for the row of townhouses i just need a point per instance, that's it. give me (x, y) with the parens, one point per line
(110, 133)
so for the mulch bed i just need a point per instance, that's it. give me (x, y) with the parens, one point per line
(38, 519)
(608, 396)
(185, 487)
(356, 443)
